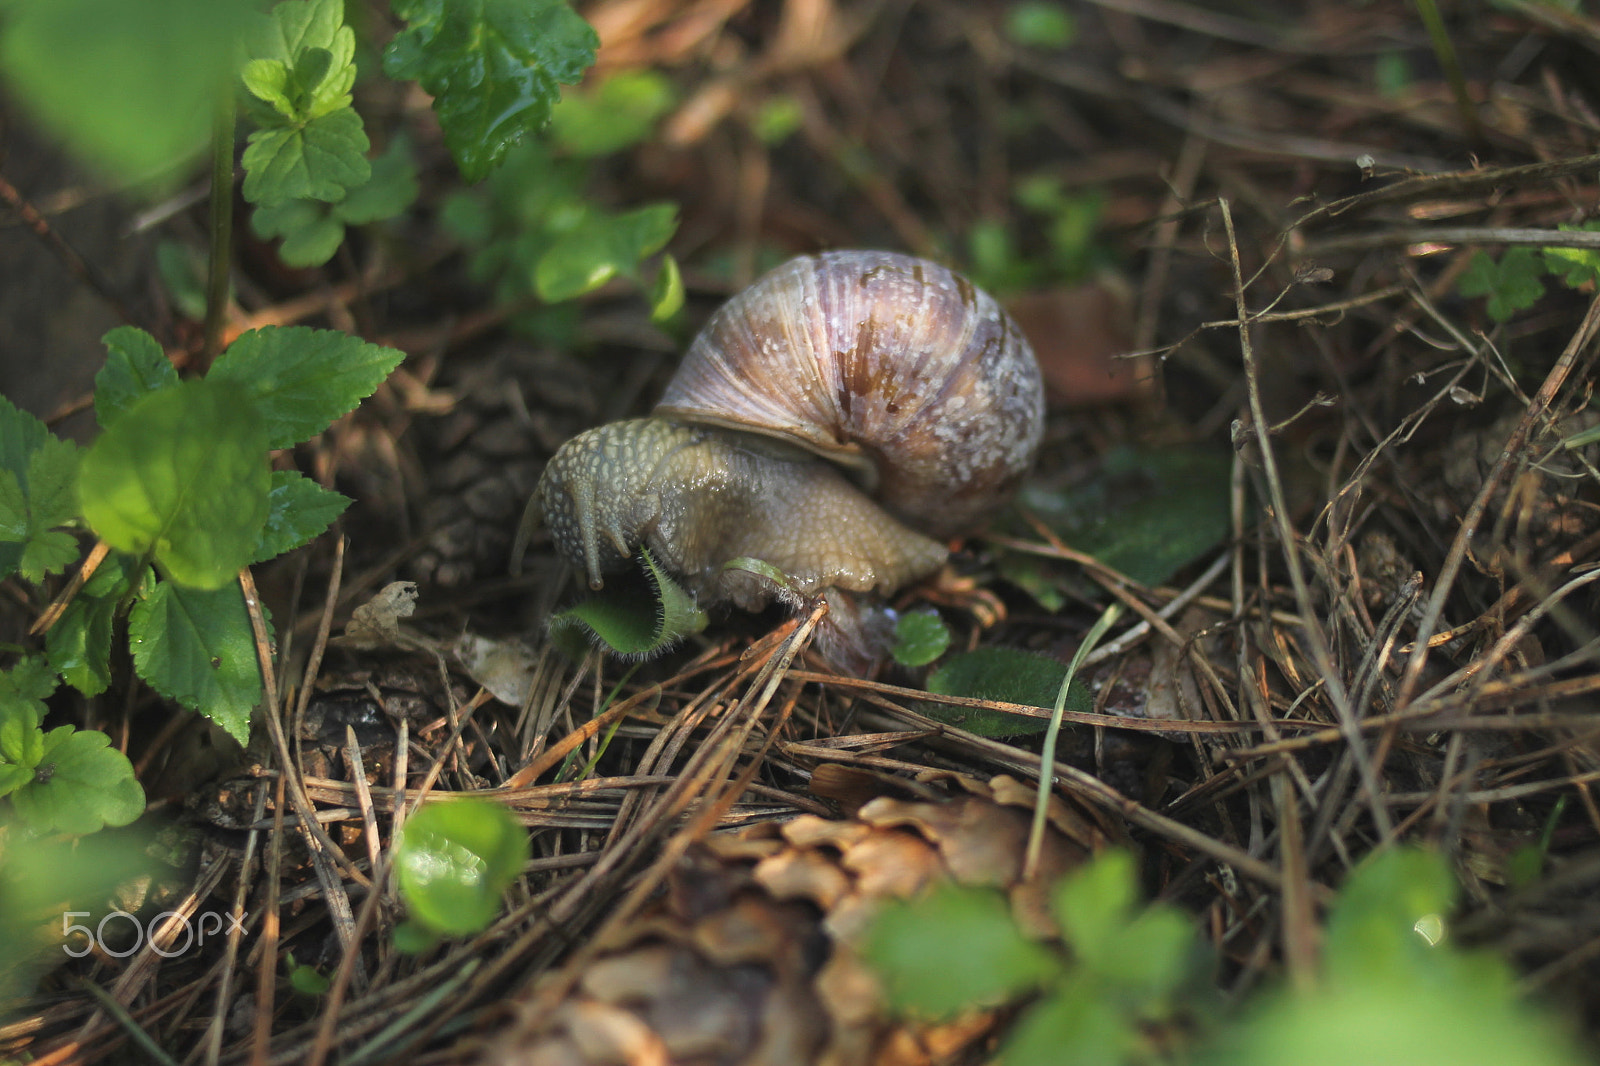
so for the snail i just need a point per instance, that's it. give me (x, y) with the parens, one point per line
(835, 420)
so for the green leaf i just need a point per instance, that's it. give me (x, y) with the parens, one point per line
(80, 784)
(620, 111)
(1576, 267)
(320, 160)
(602, 247)
(493, 68)
(391, 189)
(195, 646)
(920, 638)
(1072, 1026)
(21, 739)
(1040, 24)
(666, 295)
(135, 366)
(1146, 514)
(1008, 675)
(310, 232)
(1039, 578)
(27, 516)
(303, 63)
(634, 619)
(454, 861)
(181, 475)
(79, 644)
(302, 379)
(1374, 926)
(182, 270)
(131, 87)
(30, 679)
(1094, 906)
(1511, 284)
(954, 948)
(298, 511)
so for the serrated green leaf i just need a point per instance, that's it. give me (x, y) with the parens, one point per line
(30, 679)
(135, 367)
(21, 435)
(954, 948)
(1008, 675)
(391, 189)
(79, 644)
(27, 515)
(321, 159)
(1146, 514)
(298, 511)
(493, 67)
(1511, 284)
(132, 87)
(1575, 267)
(620, 111)
(920, 638)
(301, 379)
(181, 475)
(454, 860)
(602, 247)
(21, 739)
(315, 52)
(310, 232)
(195, 646)
(80, 785)
(268, 80)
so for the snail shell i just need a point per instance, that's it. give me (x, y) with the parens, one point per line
(897, 369)
(892, 366)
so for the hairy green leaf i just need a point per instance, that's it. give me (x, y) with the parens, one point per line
(195, 646)
(493, 67)
(1008, 675)
(1146, 514)
(181, 476)
(635, 619)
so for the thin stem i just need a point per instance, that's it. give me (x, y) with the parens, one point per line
(1445, 51)
(221, 229)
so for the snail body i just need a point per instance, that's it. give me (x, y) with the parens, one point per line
(916, 386)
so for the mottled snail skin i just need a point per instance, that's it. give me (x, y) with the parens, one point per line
(892, 367)
(697, 498)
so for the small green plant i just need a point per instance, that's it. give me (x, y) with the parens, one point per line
(453, 862)
(179, 488)
(1129, 971)
(1132, 985)
(1515, 281)
(1069, 222)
